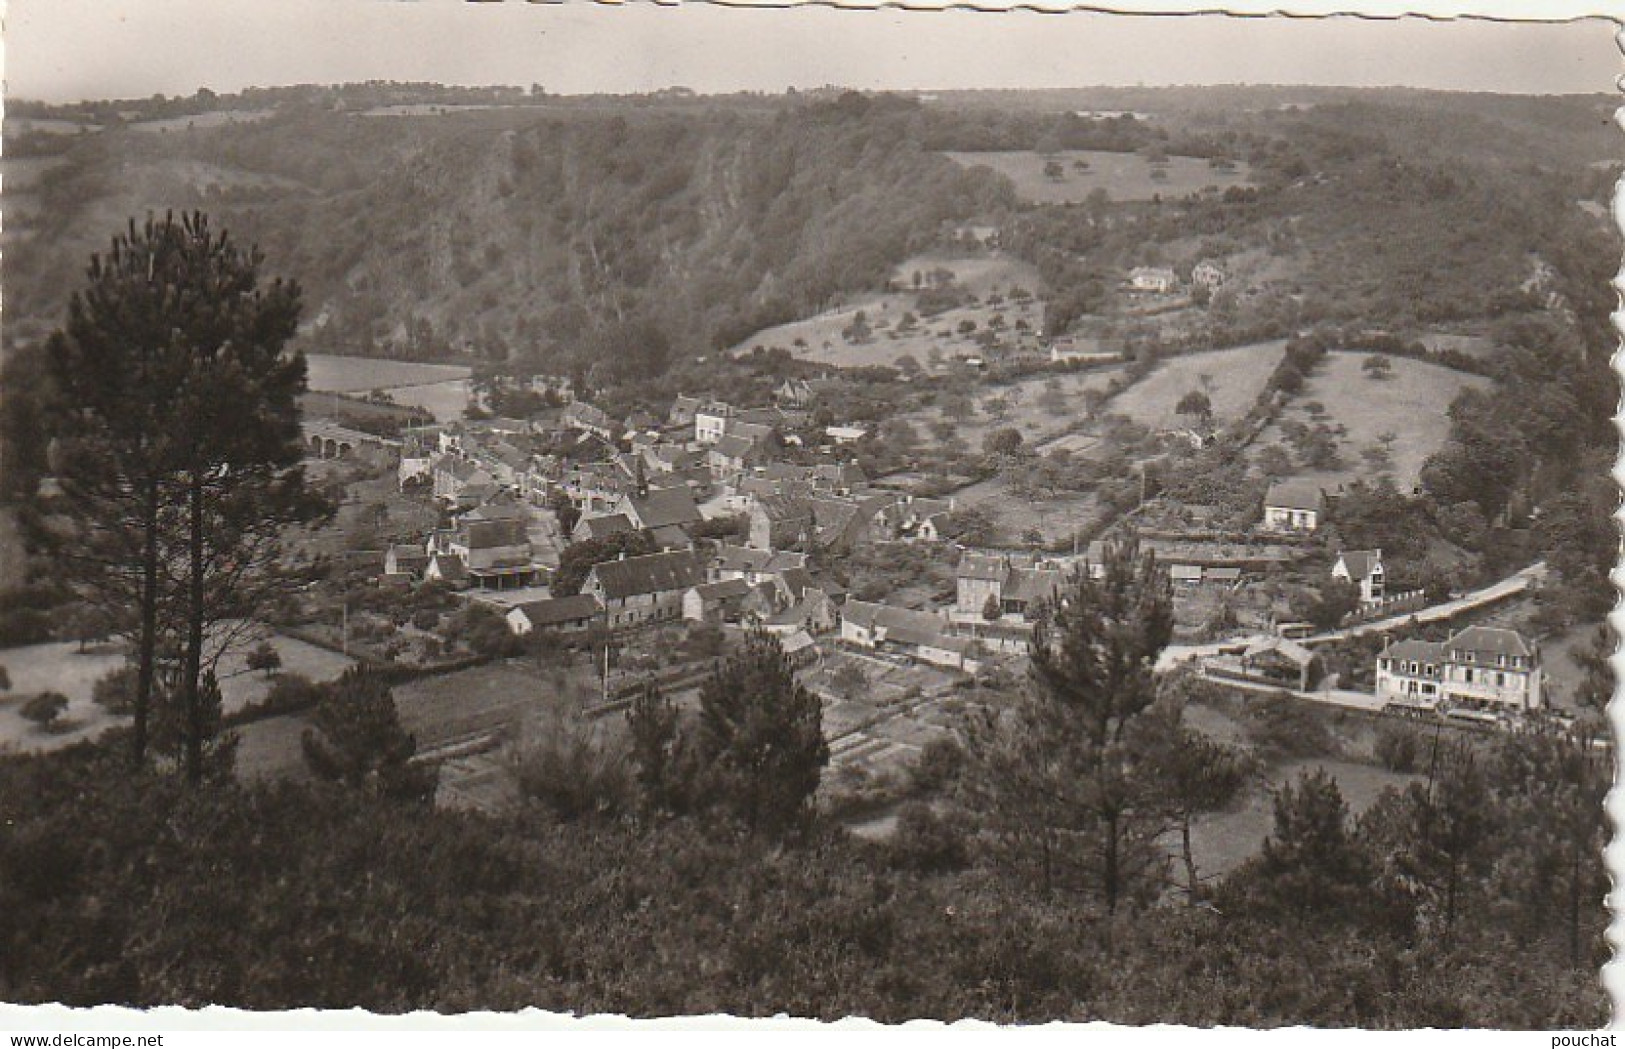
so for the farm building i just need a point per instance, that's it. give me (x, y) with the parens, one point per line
(563, 614)
(635, 590)
(1280, 660)
(920, 635)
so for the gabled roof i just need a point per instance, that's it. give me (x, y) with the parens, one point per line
(610, 524)
(649, 574)
(408, 552)
(725, 590)
(670, 537)
(733, 446)
(556, 610)
(1419, 651)
(449, 567)
(1489, 640)
(730, 558)
(1360, 563)
(1295, 495)
(485, 535)
(660, 507)
(900, 624)
(777, 507)
(985, 567)
(1034, 584)
(1281, 646)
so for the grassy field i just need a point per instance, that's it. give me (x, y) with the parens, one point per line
(821, 341)
(199, 121)
(1222, 841)
(338, 374)
(1411, 404)
(1124, 176)
(1231, 378)
(59, 666)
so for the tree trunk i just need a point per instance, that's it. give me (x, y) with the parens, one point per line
(191, 683)
(1192, 887)
(1109, 871)
(1576, 857)
(147, 643)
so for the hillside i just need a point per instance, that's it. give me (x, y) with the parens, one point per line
(522, 232)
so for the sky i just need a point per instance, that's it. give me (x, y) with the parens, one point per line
(64, 50)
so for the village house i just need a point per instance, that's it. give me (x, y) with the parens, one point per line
(416, 466)
(600, 526)
(683, 410)
(796, 393)
(1208, 274)
(493, 543)
(448, 569)
(816, 611)
(753, 564)
(711, 421)
(718, 602)
(919, 635)
(779, 522)
(1477, 668)
(650, 588)
(846, 434)
(1294, 506)
(1155, 279)
(985, 582)
(731, 455)
(460, 482)
(669, 513)
(405, 560)
(589, 419)
(1363, 568)
(913, 519)
(565, 615)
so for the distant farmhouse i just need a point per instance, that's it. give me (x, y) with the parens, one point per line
(1294, 506)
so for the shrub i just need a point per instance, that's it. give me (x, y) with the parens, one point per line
(938, 767)
(573, 773)
(114, 692)
(926, 842)
(426, 619)
(1399, 747)
(45, 708)
(1289, 728)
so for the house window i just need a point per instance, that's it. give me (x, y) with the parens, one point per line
(1500, 680)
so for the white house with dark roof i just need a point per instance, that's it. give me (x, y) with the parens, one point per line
(1478, 668)
(565, 615)
(1364, 569)
(1294, 506)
